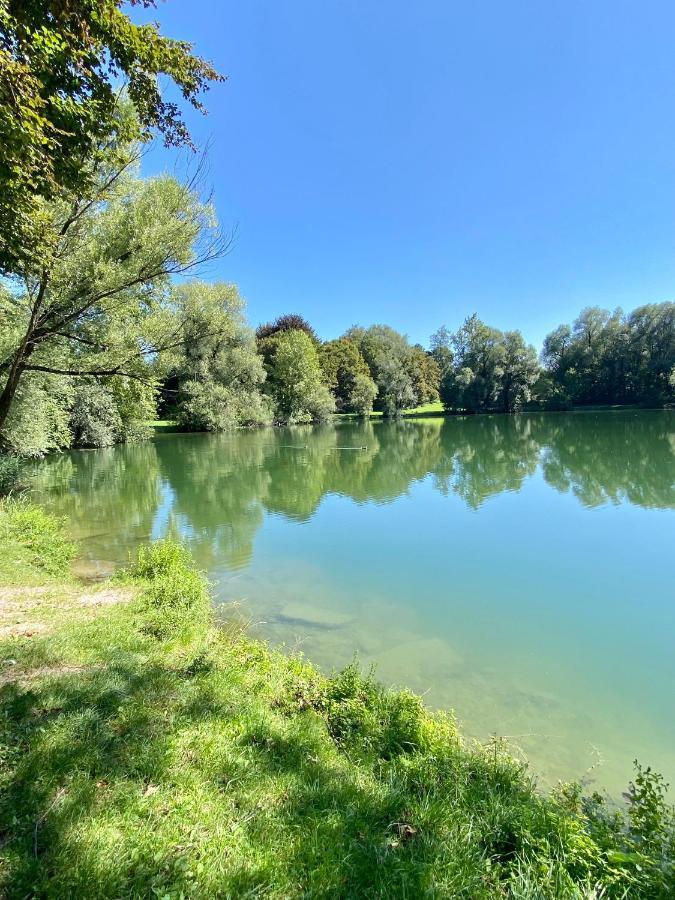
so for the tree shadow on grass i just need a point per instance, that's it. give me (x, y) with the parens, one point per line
(85, 754)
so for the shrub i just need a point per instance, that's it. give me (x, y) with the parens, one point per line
(174, 600)
(161, 558)
(9, 473)
(37, 534)
(364, 715)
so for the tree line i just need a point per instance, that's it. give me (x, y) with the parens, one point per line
(104, 320)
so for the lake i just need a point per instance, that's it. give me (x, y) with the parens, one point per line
(518, 569)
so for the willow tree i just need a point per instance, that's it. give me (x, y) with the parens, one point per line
(491, 369)
(215, 375)
(295, 380)
(96, 306)
(390, 361)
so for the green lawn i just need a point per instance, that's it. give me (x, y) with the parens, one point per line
(163, 426)
(167, 426)
(427, 409)
(146, 753)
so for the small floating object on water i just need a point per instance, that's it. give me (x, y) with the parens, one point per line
(349, 448)
(294, 446)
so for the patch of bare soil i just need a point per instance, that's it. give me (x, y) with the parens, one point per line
(10, 674)
(106, 597)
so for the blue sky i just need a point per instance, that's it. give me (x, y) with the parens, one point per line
(412, 163)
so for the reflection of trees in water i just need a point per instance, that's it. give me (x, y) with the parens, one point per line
(600, 457)
(398, 454)
(486, 455)
(218, 484)
(215, 489)
(297, 465)
(362, 462)
(608, 457)
(113, 492)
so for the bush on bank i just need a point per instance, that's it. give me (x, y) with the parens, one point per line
(146, 753)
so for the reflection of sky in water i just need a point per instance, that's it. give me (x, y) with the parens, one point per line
(516, 569)
(162, 517)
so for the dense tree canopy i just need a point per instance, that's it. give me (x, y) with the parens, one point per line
(348, 377)
(390, 360)
(441, 349)
(491, 370)
(426, 375)
(61, 67)
(615, 358)
(287, 322)
(215, 370)
(295, 380)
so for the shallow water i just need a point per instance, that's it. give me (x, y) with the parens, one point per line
(516, 568)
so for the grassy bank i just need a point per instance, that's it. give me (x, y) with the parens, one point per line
(144, 752)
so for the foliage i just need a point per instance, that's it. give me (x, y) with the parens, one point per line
(288, 322)
(205, 764)
(391, 363)
(615, 358)
(215, 371)
(348, 376)
(10, 467)
(520, 372)
(98, 308)
(94, 419)
(491, 370)
(361, 713)
(295, 379)
(32, 540)
(39, 418)
(174, 598)
(441, 349)
(60, 68)
(135, 404)
(426, 375)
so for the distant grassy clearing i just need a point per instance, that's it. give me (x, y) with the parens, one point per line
(427, 409)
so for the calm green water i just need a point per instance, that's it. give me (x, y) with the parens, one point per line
(518, 569)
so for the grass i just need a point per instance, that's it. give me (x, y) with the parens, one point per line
(169, 426)
(427, 409)
(164, 426)
(143, 752)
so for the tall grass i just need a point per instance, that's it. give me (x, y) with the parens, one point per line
(33, 542)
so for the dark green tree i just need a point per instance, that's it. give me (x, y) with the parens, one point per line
(390, 361)
(287, 322)
(491, 370)
(615, 358)
(441, 349)
(426, 375)
(348, 377)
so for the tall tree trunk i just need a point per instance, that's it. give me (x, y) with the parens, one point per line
(16, 370)
(23, 353)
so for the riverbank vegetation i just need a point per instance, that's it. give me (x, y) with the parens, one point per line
(147, 752)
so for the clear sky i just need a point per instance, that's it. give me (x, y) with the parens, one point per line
(412, 163)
